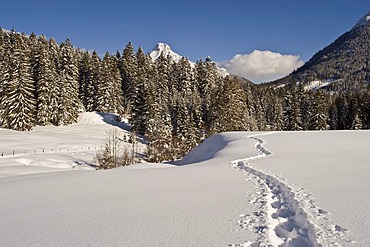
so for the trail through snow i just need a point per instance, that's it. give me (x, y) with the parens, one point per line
(287, 214)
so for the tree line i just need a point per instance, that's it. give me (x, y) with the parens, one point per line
(175, 105)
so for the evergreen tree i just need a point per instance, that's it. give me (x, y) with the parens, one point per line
(158, 131)
(139, 90)
(54, 89)
(251, 123)
(292, 114)
(4, 72)
(278, 121)
(333, 116)
(305, 101)
(109, 91)
(342, 109)
(319, 113)
(231, 108)
(45, 75)
(85, 70)
(207, 83)
(68, 103)
(19, 100)
(129, 69)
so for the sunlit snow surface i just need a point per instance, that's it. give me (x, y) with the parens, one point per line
(225, 192)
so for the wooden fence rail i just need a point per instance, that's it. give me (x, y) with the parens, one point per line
(7, 153)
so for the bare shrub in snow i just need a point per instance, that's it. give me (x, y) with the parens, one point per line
(115, 152)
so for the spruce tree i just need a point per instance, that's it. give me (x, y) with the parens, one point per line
(158, 130)
(278, 120)
(292, 113)
(318, 119)
(342, 109)
(231, 108)
(54, 89)
(207, 82)
(19, 101)
(84, 78)
(333, 116)
(250, 115)
(129, 69)
(139, 94)
(69, 103)
(45, 76)
(93, 82)
(109, 90)
(4, 73)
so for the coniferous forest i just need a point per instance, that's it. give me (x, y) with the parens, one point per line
(173, 104)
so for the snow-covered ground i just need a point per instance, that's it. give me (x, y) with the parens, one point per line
(241, 188)
(332, 170)
(50, 148)
(315, 85)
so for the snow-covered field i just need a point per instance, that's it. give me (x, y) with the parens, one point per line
(282, 188)
(51, 149)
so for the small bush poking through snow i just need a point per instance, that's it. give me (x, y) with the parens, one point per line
(115, 152)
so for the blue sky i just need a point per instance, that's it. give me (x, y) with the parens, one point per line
(194, 29)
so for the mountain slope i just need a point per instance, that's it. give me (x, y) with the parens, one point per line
(344, 63)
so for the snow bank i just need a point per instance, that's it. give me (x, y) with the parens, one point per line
(288, 188)
(192, 205)
(332, 167)
(56, 148)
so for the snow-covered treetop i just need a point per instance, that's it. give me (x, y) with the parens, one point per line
(363, 22)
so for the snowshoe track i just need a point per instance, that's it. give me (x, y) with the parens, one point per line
(286, 215)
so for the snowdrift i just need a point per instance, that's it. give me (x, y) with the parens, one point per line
(235, 189)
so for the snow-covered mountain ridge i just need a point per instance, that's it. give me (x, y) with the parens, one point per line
(175, 57)
(167, 52)
(363, 22)
(344, 63)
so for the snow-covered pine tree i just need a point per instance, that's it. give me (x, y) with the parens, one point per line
(93, 82)
(193, 104)
(139, 91)
(251, 123)
(365, 109)
(45, 77)
(292, 113)
(109, 90)
(19, 101)
(68, 104)
(207, 80)
(230, 108)
(343, 111)
(118, 97)
(333, 116)
(33, 44)
(163, 81)
(54, 90)
(158, 131)
(260, 115)
(183, 129)
(318, 119)
(4, 72)
(278, 119)
(84, 78)
(305, 106)
(129, 74)
(104, 88)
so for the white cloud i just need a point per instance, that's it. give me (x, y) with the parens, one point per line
(262, 66)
